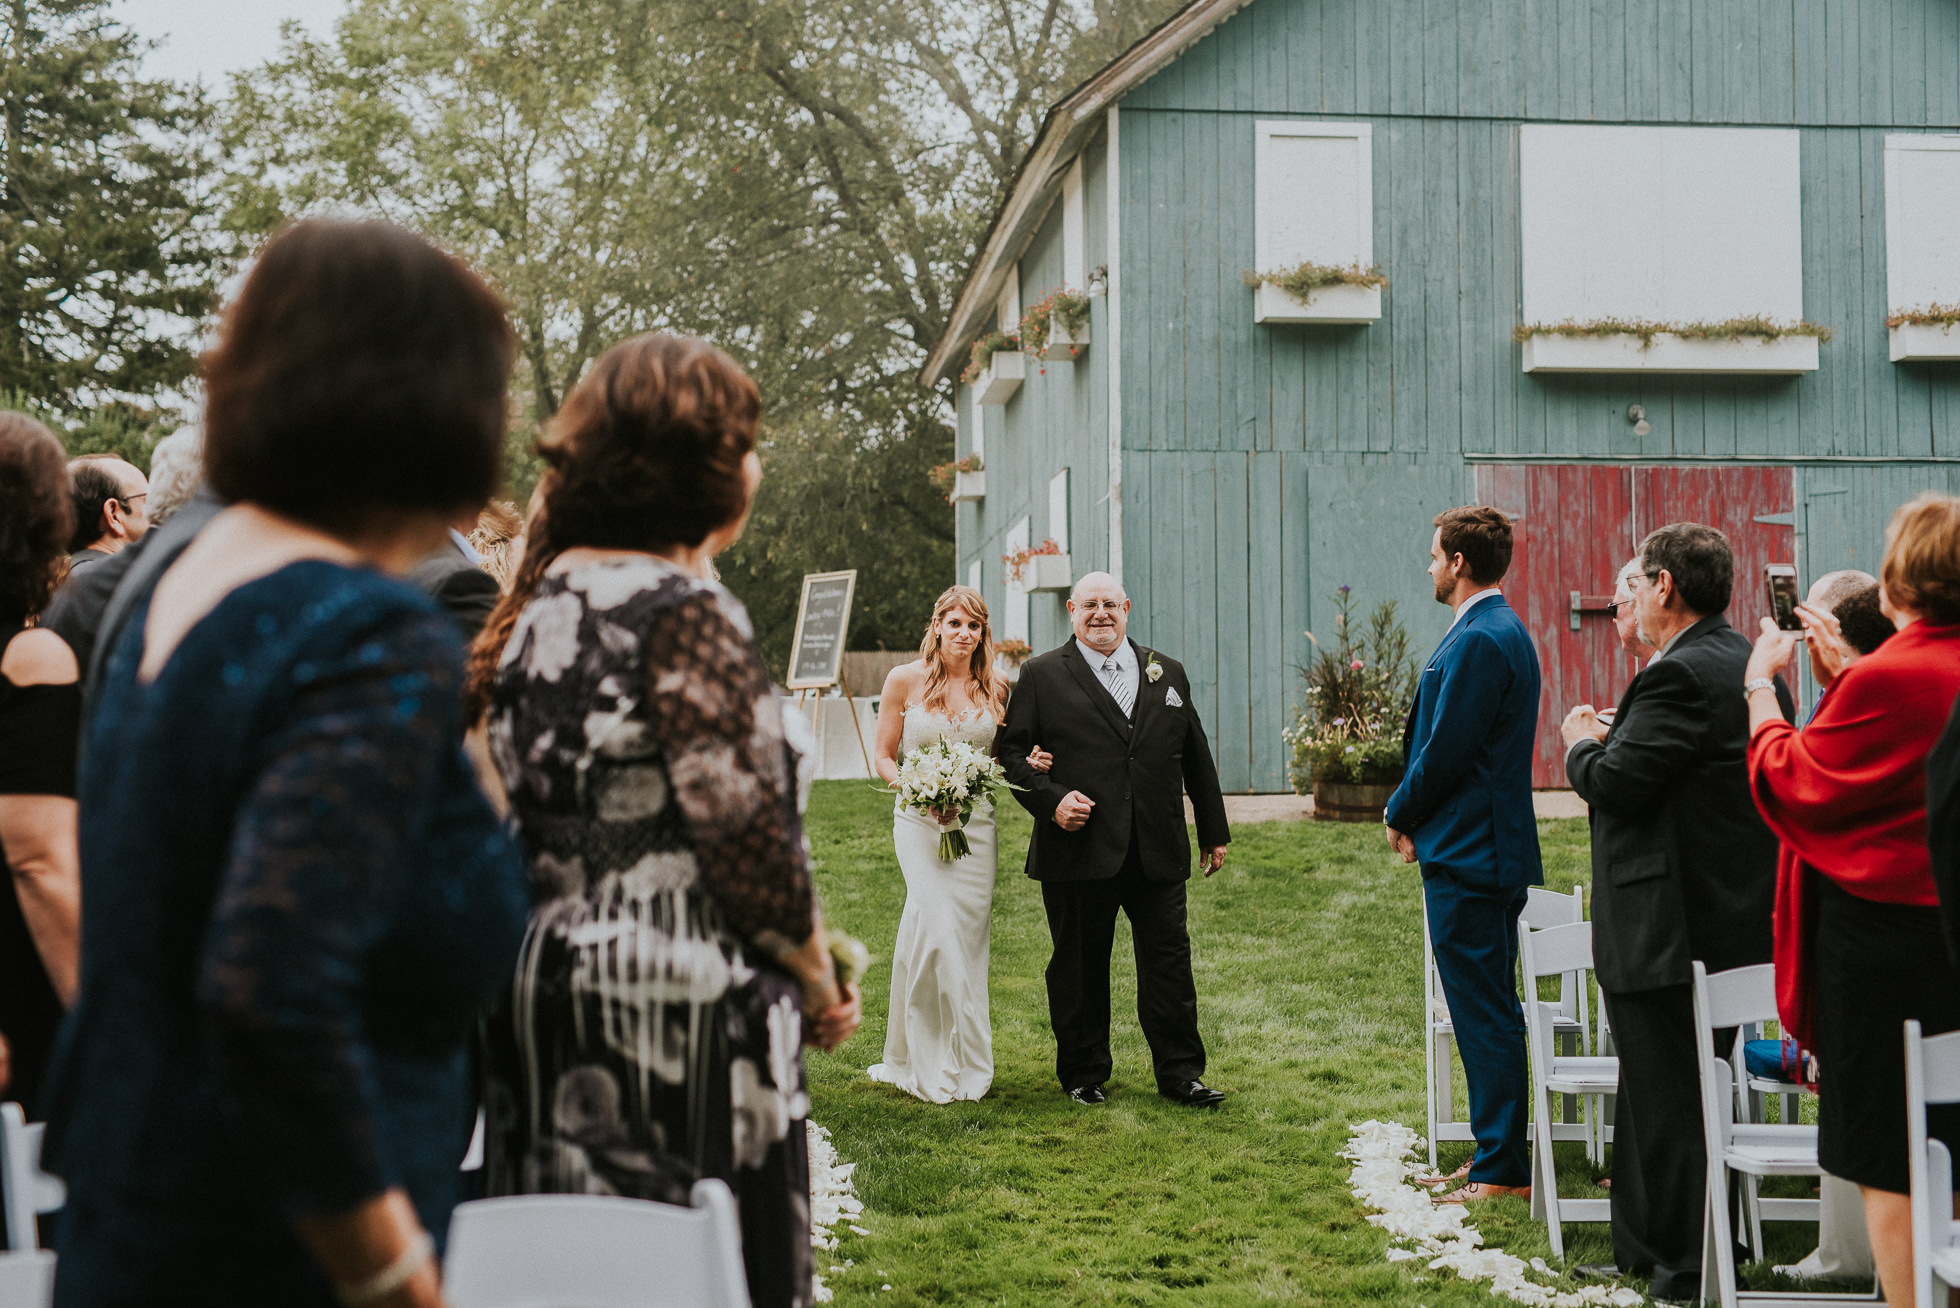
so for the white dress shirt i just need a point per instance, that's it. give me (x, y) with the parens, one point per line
(1470, 603)
(1125, 655)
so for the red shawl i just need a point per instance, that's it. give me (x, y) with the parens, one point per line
(1847, 795)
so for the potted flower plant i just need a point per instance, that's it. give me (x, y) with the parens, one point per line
(1346, 739)
(995, 368)
(1043, 567)
(961, 481)
(1010, 654)
(1056, 328)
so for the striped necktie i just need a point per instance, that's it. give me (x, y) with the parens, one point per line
(1119, 685)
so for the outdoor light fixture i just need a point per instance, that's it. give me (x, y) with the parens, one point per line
(1099, 280)
(1637, 415)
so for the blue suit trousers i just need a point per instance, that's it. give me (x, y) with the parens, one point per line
(1474, 934)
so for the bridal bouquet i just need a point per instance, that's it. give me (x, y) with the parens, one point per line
(948, 775)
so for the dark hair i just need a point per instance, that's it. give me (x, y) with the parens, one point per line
(36, 516)
(360, 368)
(646, 454)
(90, 487)
(1922, 557)
(1482, 535)
(1699, 559)
(1862, 621)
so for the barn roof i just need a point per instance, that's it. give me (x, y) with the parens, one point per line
(1063, 132)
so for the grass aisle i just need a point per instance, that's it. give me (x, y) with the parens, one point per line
(1308, 956)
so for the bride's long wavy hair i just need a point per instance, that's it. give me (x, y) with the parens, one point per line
(980, 669)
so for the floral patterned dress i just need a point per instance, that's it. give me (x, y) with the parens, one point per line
(648, 1039)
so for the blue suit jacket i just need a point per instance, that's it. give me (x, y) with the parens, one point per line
(1465, 797)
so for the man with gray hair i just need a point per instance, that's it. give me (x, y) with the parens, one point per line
(1109, 834)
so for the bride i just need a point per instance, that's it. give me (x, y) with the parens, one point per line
(939, 1040)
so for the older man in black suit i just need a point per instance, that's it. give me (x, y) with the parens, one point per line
(1684, 869)
(1109, 834)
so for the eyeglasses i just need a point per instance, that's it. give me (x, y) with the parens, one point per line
(1103, 606)
(1614, 606)
(128, 501)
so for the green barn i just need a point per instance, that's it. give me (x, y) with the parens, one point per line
(1529, 176)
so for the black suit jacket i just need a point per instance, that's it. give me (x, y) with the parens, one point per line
(1684, 867)
(465, 591)
(1943, 828)
(1137, 770)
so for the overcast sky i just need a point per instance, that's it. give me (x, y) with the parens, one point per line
(210, 39)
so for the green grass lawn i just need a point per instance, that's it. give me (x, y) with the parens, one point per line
(1308, 955)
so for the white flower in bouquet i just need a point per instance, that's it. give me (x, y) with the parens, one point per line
(949, 776)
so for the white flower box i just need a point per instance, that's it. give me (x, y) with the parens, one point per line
(1913, 342)
(969, 487)
(1329, 304)
(1062, 347)
(1785, 356)
(1005, 371)
(1047, 572)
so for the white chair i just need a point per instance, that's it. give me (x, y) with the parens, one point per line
(1542, 908)
(25, 1190)
(1559, 951)
(1737, 998)
(27, 1271)
(590, 1251)
(1932, 1077)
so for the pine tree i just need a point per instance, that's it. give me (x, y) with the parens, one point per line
(114, 251)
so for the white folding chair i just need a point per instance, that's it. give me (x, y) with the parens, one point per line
(1542, 908)
(537, 1251)
(1559, 951)
(27, 1270)
(1932, 1077)
(1737, 998)
(1750, 1093)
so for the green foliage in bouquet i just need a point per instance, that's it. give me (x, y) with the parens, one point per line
(1349, 725)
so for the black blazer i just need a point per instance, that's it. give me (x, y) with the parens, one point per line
(465, 591)
(1137, 770)
(1943, 828)
(1684, 867)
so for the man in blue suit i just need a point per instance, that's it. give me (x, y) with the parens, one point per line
(1464, 812)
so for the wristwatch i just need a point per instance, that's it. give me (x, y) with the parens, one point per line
(1758, 683)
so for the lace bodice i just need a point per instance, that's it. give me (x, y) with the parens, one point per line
(924, 725)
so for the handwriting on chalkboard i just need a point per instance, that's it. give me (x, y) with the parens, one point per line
(817, 654)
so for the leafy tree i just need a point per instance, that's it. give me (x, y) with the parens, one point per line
(105, 211)
(801, 183)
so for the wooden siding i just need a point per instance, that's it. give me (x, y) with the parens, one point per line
(1833, 62)
(1055, 421)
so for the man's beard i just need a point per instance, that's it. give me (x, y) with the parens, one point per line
(1445, 587)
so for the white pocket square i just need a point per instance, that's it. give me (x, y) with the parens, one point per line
(1171, 700)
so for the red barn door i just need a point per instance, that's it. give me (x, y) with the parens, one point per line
(1577, 523)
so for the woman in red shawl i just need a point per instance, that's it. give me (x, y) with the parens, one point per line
(1858, 943)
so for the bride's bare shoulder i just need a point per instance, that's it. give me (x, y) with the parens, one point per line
(903, 682)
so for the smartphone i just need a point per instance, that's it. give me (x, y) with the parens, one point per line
(1780, 580)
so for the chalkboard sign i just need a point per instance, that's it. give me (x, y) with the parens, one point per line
(817, 655)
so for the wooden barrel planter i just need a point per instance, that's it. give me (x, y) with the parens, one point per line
(1346, 801)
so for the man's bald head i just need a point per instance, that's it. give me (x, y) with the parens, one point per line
(1833, 588)
(1099, 611)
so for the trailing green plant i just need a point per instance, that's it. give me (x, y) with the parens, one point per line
(1729, 329)
(984, 349)
(1037, 322)
(1349, 724)
(1303, 279)
(1932, 315)
(944, 475)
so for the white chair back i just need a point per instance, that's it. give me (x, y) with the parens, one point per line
(1932, 1077)
(1738, 997)
(25, 1190)
(1564, 951)
(27, 1279)
(590, 1251)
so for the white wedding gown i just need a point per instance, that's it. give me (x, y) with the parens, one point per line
(939, 1039)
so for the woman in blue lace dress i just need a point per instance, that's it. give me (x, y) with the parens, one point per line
(675, 964)
(296, 900)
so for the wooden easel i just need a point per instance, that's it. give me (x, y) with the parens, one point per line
(849, 699)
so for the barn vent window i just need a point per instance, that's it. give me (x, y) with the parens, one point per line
(1313, 219)
(1922, 254)
(1662, 249)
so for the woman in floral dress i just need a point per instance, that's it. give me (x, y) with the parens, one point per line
(675, 963)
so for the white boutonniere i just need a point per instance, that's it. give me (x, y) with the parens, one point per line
(1153, 670)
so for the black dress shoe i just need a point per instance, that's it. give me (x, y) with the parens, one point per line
(1088, 1094)
(1192, 1094)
